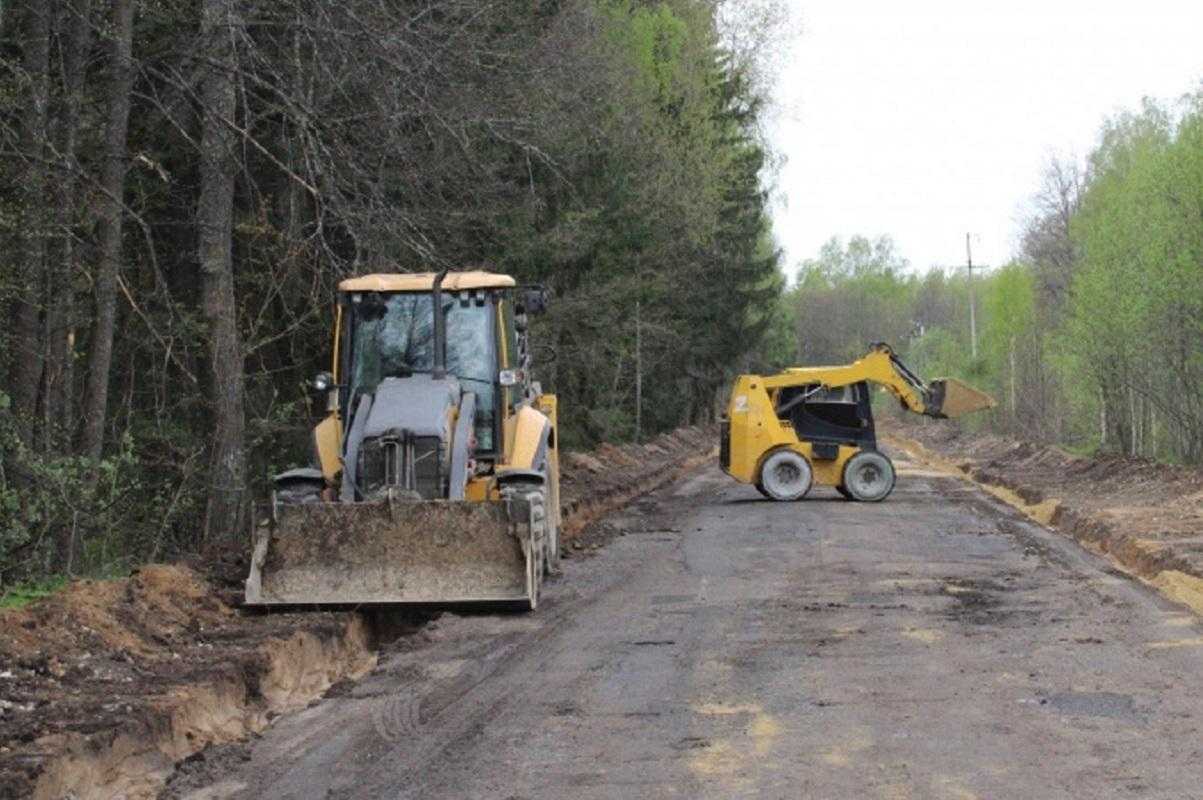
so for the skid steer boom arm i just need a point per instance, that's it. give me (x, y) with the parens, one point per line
(943, 398)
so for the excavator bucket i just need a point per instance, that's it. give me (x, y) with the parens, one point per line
(402, 552)
(952, 398)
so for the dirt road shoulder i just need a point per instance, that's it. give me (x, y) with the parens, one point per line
(1147, 517)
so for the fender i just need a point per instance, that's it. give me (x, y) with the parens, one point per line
(327, 439)
(532, 433)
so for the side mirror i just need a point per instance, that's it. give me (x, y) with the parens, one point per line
(532, 300)
(322, 382)
(509, 377)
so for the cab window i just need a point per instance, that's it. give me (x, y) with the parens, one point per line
(397, 340)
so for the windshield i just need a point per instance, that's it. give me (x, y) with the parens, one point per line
(400, 341)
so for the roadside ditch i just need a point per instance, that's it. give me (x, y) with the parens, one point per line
(106, 686)
(1144, 515)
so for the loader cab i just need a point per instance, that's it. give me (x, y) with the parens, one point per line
(388, 330)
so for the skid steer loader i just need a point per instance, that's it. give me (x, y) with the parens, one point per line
(785, 432)
(436, 476)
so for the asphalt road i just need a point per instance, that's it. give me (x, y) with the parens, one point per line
(935, 645)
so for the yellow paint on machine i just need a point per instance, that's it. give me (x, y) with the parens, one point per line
(327, 438)
(758, 432)
(525, 432)
(424, 282)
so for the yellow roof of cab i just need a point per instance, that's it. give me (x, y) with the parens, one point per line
(424, 281)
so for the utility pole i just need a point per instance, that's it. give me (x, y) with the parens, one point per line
(972, 310)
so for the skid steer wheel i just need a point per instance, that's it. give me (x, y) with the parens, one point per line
(869, 477)
(760, 488)
(844, 492)
(785, 475)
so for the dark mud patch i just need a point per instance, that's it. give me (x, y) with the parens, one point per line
(976, 601)
(204, 768)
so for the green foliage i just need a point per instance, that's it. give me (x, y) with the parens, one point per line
(25, 593)
(1095, 338)
(71, 514)
(851, 296)
(609, 149)
(1134, 337)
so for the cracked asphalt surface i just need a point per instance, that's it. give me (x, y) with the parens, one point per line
(936, 645)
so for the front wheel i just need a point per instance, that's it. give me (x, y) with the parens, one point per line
(785, 475)
(869, 477)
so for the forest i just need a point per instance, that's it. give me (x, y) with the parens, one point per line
(186, 181)
(1091, 337)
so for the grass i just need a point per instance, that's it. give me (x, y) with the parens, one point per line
(25, 593)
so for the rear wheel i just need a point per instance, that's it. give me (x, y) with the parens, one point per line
(785, 475)
(869, 477)
(844, 492)
(760, 488)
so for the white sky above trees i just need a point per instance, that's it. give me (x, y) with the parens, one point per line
(927, 120)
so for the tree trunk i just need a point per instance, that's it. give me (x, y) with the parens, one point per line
(25, 373)
(111, 218)
(59, 382)
(220, 23)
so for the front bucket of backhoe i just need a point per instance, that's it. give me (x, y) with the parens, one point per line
(952, 398)
(381, 553)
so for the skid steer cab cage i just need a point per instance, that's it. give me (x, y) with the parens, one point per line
(784, 433)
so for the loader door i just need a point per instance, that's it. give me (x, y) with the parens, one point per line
(392, 335)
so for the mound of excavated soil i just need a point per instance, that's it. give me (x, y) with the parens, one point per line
(593, 484)
(1147, 515)
(107, 685)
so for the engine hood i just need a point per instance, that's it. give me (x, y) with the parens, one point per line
(419, 404)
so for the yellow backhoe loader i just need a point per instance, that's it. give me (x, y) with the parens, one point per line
(785, 432)
(436, 476)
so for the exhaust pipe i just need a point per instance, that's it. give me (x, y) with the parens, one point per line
(440, 327)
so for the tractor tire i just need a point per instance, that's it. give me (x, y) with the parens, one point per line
(869, 477)
(534, 495)
(538, 524)
(844, 492)
(785, 475)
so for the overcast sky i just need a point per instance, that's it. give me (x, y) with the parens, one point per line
(927, 120)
